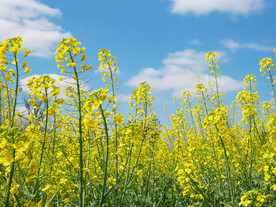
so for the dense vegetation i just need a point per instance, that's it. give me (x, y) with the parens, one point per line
(80, 151)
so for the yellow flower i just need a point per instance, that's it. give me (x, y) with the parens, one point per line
(24, 64)
(112, 99)
(63, 71)
(44, 98)
(84, 57)
(74, 64)
(13, 191)
(140, 173)
(66, 200)
(114, 107)
(26, 52)
(3, 61)
(29, 204)
(82, 50)
(46, 187)
(111, 180)
(15, 49)
(11, 71)
(8, 78)
(261, 198)
(245, 201)
(117, 118)
(27, 70)
(61, 78)
(60, 66)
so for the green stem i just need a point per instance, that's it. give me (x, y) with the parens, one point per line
(43, 144)
(1, 115)
(82, 185)
(128, 173)
(45, 131)
(53, 148)
(272, 85)
(106, 156)
(227, 165)
(11, 125)
(116, 129)
(8, 97)
(216, 83)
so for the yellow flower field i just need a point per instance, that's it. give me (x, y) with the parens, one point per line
(81, 151)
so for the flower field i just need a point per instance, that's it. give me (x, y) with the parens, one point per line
(81, 151)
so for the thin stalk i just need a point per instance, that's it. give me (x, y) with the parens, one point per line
(11, 125)
(251, 146)
(227, 165)
(82, 185)
(128, 174)
(272, 85)
(53, 148)
(195, 185)
(45, 131)
(8, 97)
(216, 83)
(1, 115)
(192, 117)
(205, 103)
(88, 150)
(43, 143)
(116, 130)
(106, 156)
(17, 200)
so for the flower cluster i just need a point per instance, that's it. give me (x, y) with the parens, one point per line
(76, 149)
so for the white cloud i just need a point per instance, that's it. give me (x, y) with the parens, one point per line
(62, 84)
(30, 20)
(188, 58)
(124, 97)
(233, 45)
(194, 42)
(201, 7)
(180, 73)
(254, 46)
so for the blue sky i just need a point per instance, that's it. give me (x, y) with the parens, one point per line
(160, 41)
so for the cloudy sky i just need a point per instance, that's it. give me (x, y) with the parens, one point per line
(163, 42)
